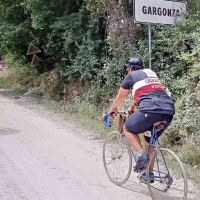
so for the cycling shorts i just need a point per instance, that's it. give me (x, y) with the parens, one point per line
(140, 122)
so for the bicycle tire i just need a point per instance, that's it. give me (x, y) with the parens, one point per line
(116, 156)
(174, 181)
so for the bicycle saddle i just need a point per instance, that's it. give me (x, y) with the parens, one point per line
(159, 125)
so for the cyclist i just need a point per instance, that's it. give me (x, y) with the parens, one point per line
(154, 105)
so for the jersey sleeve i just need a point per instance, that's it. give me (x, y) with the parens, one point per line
(128, 82)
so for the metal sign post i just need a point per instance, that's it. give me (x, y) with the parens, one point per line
(157, 12)
(150, 58)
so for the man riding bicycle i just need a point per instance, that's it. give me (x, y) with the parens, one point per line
(154, 105)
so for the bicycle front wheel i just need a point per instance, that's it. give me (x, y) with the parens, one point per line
(169, 177)
(117, 158)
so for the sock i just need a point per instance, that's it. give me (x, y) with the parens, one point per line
(138, 154)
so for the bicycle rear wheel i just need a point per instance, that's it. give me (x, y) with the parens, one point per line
(117, 158)
(170, 180)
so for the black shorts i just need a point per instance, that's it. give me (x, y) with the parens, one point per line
(140, 122)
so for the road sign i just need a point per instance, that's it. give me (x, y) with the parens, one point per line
(32, 49)
(158, 11)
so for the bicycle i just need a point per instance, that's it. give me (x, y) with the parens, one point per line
(161, 172)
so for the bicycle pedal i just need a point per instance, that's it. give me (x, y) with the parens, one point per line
(143, 181)
(140, 173)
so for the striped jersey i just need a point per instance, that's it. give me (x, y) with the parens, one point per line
(148, 92)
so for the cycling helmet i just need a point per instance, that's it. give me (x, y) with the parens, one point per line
(135, 63)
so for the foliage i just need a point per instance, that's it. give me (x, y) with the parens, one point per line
(95, 5)
(82, 47)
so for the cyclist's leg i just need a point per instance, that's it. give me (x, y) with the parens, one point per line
(135, 124)
(140, 122)
(133, 140)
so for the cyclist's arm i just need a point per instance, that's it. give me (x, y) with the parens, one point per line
(123, 91)
(118, 99)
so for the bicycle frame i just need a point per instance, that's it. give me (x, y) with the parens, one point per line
(153, 140)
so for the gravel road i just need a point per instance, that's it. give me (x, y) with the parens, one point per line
(43, 157)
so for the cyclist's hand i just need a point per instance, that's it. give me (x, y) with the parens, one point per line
(113, 112)
(131, 108)
(130, 112)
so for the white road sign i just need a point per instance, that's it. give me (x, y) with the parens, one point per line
(158, 11)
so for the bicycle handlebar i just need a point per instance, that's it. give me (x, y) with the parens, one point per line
(105, 117)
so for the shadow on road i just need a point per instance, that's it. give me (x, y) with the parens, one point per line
(142, 188)
(136, 187)
(8, 131)
(9, 93)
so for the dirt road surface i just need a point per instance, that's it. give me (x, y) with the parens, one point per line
(43, 157)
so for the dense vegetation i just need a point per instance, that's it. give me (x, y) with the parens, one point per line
(85, 44)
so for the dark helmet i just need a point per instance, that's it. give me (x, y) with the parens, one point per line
(135, 63)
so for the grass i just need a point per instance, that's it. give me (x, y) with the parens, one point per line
(190, 158)
(20, 89)
(16, 80)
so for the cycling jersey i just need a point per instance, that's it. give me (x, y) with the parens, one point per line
(148, 92)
